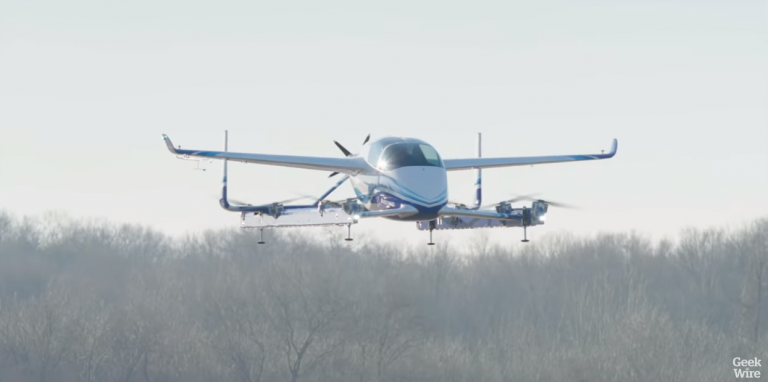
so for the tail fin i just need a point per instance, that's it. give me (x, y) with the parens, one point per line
(478, 181)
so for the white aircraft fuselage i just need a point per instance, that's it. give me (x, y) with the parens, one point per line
(402, 171)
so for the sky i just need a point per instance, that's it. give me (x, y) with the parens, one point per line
(88, 87)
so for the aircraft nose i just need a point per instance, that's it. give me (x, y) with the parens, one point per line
(427, 183)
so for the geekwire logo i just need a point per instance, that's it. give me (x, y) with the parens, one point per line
(743, 367)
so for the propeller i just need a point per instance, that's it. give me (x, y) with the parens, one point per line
(346, 152)
(238, 202)
(559, 205)
(336, 203)
(513, 200)
(531, 198)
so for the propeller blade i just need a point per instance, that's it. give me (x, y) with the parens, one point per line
(550, 202)
(344, 150)
(560, 205)
(315, 197)
(503, 201)
(339, 201)
(239, 202)
(292, 199)
(531, 198)
(523, 197)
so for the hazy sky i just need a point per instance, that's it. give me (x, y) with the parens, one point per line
(88, 87)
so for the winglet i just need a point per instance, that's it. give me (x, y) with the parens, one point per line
(610, 154)
(614, 147)
(169, 144)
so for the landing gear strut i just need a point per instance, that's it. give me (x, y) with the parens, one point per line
(526, 221)
(431, 227)
(349, 232)
(261, 237)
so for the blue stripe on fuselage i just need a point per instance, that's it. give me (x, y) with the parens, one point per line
(425, 213)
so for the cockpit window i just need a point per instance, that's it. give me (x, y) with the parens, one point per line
(375, 152)
(409, 154)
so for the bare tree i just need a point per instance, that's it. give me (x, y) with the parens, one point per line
(306, 308)
(93, 351)
(240, 327)
(95, 301)
(752, 245)
(40, 334)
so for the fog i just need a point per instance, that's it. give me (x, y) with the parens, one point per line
(96, 301)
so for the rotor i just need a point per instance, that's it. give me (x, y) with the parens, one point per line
(346, 152)
(236, 202)
(530, 197)
(338, 202)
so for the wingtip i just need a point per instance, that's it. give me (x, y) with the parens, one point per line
(169, 144)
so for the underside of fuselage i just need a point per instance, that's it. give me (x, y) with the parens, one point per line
(424, 188)
(385, 201)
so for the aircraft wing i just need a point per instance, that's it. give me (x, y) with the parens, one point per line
(349, 165)
(470, 163)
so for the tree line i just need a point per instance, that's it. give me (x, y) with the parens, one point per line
(94, 301)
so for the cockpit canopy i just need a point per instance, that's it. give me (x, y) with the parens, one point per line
(392, 155)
